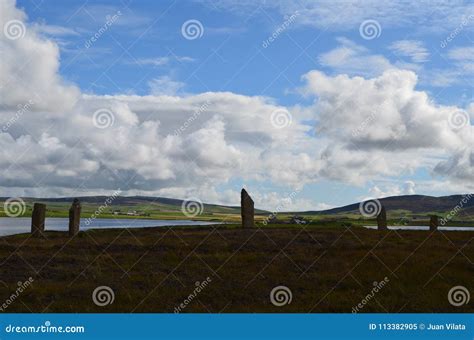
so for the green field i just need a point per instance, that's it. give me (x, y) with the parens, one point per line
(404, 210)
(327, 268)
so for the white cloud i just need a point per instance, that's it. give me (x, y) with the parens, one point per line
(380, 126)
(462, 53)
(159, 61)
(427, 15)
(410, 48)
(367, 128)
(165, 85)
(162, 61)
(354, 59)
(55, 30)
(407, 188)
(459, 69)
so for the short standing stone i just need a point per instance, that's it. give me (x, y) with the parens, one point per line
(37, 219)
(246, 209)
(434, 222)
(74, 217)
(382, 219)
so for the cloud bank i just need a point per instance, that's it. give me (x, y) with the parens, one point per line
(56, 140)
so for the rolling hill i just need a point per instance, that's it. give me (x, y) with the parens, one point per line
(415, 204)
(409, 204)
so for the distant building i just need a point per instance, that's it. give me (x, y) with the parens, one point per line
(298, 220)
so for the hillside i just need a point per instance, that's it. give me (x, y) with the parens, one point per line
(415, 204)
(408, 204)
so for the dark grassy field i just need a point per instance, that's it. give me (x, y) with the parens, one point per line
(156, 269)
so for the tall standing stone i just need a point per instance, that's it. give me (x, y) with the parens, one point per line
(382, 219)
(246, 209)
(37, 219)
(434, 223)
(74, 217)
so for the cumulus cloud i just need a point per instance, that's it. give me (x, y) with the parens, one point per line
(56, 140)
(383, 125)
(407, 188)
(62, 141)
(29, 68)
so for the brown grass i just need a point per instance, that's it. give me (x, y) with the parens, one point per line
(155, 269)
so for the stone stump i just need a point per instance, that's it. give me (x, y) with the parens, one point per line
(74, 217)
(37, 219)
(246, 209)
(434, 223)
(382, 219)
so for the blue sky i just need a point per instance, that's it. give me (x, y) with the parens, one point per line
(143, 52)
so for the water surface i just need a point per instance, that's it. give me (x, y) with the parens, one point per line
(423, 227)
(19, 225)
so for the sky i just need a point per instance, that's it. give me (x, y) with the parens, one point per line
(307, 104)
